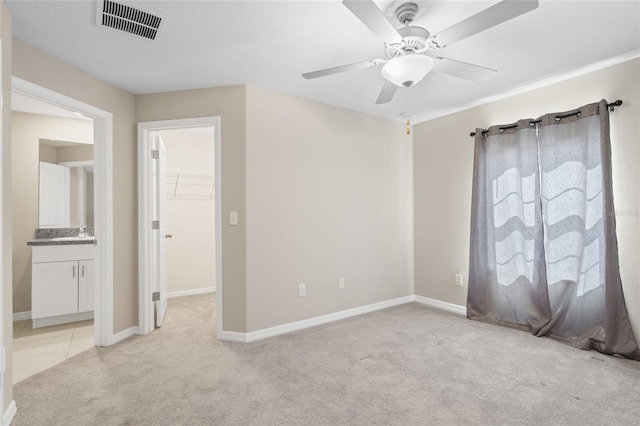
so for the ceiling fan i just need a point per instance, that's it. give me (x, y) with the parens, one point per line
(412, 51)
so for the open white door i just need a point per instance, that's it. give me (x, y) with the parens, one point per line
(159, 235)
(161, 309)
(54, 196)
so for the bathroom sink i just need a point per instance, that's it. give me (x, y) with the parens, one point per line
(72, 238)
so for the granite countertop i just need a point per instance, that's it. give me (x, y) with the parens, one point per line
(60, 242)
(61, 237)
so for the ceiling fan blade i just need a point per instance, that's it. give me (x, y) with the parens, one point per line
(463, 70)
(374, 19)
(387, 92)
(496, 14)
(343, 68)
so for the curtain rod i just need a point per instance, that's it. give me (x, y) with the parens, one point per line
(611, 106)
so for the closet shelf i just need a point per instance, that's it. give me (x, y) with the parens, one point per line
(190, 186)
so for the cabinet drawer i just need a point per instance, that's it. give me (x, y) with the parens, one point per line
(62, 253)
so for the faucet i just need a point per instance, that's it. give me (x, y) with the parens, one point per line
(83, 231)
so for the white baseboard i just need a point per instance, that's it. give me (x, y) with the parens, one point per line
(61, 319)
(9, 413)
(311, 322)
(124, 334)
(20, 316)
(233, 336)
(438, 304)
(180, 293)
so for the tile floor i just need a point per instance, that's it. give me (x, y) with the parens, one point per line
(35, 350)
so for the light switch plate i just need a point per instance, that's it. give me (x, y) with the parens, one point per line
(233, 218)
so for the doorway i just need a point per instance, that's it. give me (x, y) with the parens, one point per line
(102, 199)
(188, 182)
(52, 186)
(190, 205)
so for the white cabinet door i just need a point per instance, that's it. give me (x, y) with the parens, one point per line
(85, 286)
(54, 289)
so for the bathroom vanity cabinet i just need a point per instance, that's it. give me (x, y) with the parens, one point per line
(62, 284)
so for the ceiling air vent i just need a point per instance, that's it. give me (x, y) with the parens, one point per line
(127, 18)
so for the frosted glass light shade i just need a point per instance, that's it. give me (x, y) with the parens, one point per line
(407, 70)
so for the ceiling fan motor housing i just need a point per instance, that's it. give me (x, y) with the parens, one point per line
(414, 40)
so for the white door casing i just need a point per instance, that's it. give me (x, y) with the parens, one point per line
(147, 257)
(6, 416)
(103, 198)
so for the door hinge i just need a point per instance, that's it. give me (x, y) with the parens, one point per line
(155, 224)
(155, 154)
(155, 296)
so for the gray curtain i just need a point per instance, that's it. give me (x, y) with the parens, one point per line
(543, 253)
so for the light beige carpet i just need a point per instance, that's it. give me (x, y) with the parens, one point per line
(408, 365)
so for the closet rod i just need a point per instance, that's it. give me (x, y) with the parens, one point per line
(611, 106)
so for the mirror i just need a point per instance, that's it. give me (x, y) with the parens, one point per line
(65, 187)
(81, 195)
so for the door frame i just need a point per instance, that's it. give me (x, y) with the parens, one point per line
(146, 262)
(103, 199)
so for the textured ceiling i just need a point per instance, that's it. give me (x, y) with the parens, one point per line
(271, 43)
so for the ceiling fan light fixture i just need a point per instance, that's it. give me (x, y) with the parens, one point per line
(407, 70)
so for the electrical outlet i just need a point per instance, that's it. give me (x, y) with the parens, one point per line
(459, 280)
(302, 289)
(341, 283)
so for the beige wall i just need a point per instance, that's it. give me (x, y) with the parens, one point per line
(26, 132)
(229, 103)
(60, 154)
(5, 158)
(48, 154)
(190, 211)
(42, 69)
(443, 176)
(328, 196)
(75, 153)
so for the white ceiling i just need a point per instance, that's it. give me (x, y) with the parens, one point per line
(271, 43)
